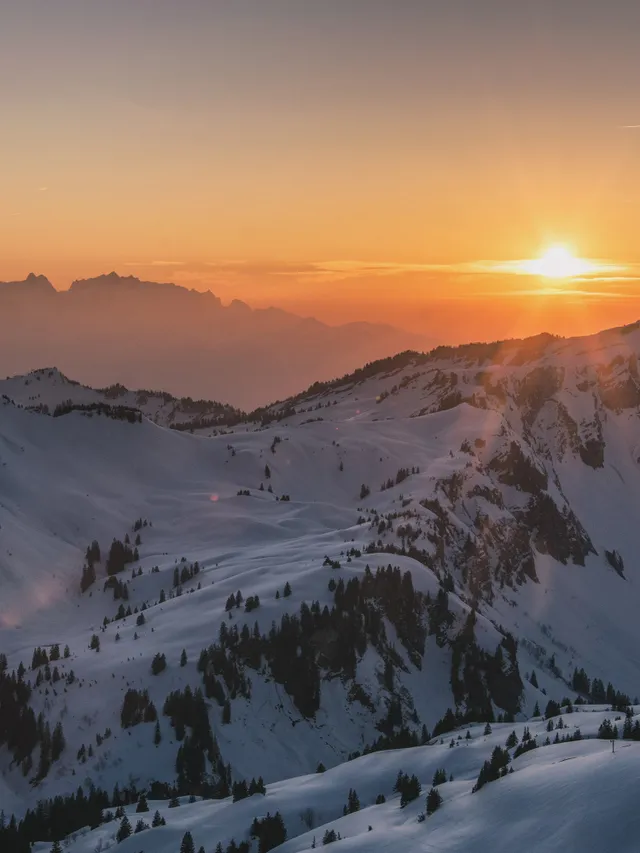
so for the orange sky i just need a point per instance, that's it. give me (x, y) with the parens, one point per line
(273, 154)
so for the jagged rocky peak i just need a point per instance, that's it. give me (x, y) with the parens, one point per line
(33, 284)
(113, 283)
(112, 280)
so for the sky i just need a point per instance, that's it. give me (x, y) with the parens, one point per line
(350, 159)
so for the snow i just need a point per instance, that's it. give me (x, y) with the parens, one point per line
(67, 480)
(574, 796)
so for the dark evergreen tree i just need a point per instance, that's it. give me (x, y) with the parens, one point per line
(353, 803)
(187, 845)
(434, 801)
(439, 777)
(124, 831)
(158, 664)
(58, 742)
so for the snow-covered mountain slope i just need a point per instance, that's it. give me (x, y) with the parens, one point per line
(50, 392)
(558, 799)
(504, 478)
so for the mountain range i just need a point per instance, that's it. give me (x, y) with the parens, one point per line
(426, 565)
(113, 329)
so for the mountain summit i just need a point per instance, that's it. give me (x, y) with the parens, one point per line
(32, 285)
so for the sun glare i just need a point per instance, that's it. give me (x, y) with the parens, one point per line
(558, 262)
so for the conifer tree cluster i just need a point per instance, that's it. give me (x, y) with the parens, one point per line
(597, 692)
(185, 572)
(408, 787)
(120, 554)
(401, 476)
(89, 572)
(493, 769)
(270, 832)
(63, 815)
(159, 663)
(120, 592)
(240, 790)
(526, 744)
(232, 847)
(434, 800)
(353, 803)
(189, 717)
(356, 620)
(137, 708)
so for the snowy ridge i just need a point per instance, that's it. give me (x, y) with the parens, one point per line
(48, 391)
(568, 787)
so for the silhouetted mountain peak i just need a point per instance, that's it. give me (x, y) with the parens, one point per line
(114, 284)
(32, 284)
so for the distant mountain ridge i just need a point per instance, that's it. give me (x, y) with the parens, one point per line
(114, 329)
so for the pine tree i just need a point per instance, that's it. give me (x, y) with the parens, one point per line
(183, 658)
(434, 801)
(226, 712)
(157, 736)
(157, 819)
(187, 845)
(58, 742)
(353, 803)
(56, 847)
(142, 804)
(439, 777)
(124, 831)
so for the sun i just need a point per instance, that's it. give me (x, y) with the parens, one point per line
(558, 262)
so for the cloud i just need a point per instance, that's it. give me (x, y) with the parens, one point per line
(567, 291)
(154, 263)
(42, 189)
(630, 126)
(355, 269)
